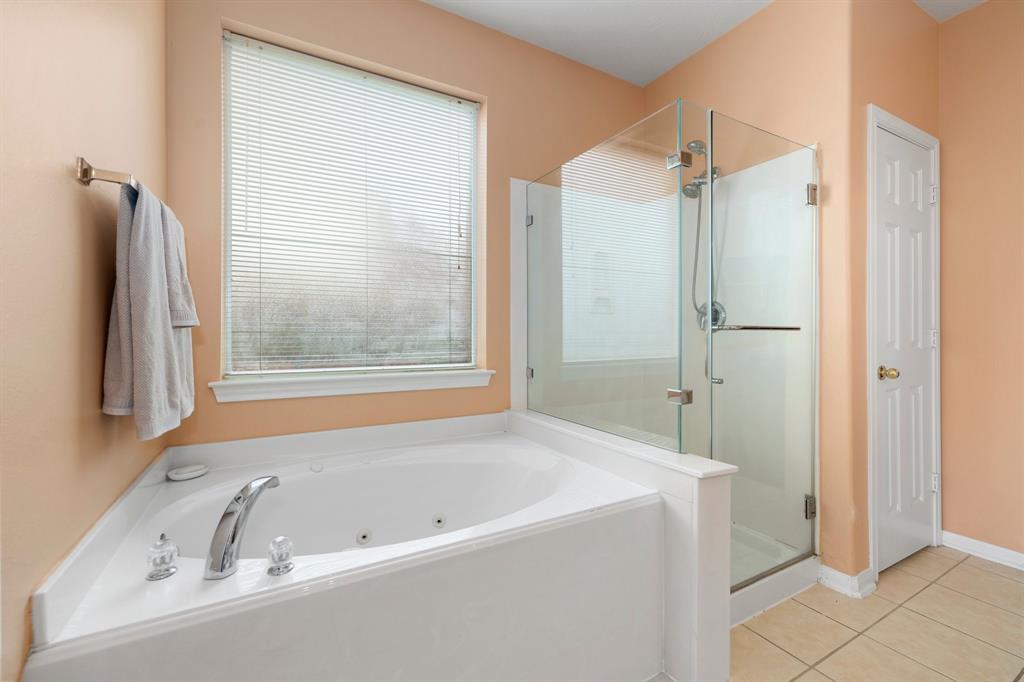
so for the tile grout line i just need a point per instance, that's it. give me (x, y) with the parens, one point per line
(859, 632)
(988, 570)
(956, 629)
(935, 581)
(902, 605)
(910, 658)
(771, 643)
(835, 651)
(971, 596)
(897, 606)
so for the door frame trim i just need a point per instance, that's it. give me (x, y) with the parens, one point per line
(879, 119)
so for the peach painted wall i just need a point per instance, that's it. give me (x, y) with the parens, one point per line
(786, 70)
(981, 125)
(540, 109)
(83, 78)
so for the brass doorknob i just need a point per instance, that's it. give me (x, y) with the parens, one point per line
(888, 373)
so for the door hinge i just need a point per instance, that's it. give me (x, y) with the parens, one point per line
(812, 194)
(529, 372)
(681, 158)
(935, 483)
(680, 396)
(935, 338)
(933, 196)
(529, 220)
(810, 506)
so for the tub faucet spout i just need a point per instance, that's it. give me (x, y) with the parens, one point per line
(227, 539)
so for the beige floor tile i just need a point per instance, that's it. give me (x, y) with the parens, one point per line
(813, 675)
(947, 552)
(800, 631)
(897, 585)
(942, 648)
(858, 614)
(865, 660)
(972, 616)
(993, 567)
(988, 587)
(754, 659)
(926, 565)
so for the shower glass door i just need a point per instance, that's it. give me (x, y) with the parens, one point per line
(604, 342)
(761, 340)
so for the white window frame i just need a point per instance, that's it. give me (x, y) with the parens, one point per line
(356, 381)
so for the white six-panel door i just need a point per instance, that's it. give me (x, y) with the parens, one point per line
(904, 331)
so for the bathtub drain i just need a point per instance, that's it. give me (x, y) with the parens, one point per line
(363, 536)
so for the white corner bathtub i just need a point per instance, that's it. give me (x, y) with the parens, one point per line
(488, 557)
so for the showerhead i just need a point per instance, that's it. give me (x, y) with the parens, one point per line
(697, 147)
(692, 189)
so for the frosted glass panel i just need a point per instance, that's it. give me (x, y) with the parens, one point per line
(604, 285)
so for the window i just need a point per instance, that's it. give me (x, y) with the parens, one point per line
(349, 219)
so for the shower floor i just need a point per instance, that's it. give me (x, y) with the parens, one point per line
(754, 553)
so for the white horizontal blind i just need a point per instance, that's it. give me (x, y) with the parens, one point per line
(349, 203)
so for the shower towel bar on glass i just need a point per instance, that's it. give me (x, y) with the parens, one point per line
(86, 174)
(751, 328)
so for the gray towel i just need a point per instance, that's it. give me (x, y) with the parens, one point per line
(148, 369)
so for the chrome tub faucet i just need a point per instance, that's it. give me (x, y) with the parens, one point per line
(222, 560)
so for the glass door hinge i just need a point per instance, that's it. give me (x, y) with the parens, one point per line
(810, 506)
(680, 158)
(812, 194)
(933, 196)
(529, 220)
(529, 372)
(935, 338)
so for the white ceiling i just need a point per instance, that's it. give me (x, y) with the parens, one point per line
(636, 40)
(944, 9)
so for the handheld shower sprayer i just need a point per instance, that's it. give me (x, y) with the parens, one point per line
(695, 190)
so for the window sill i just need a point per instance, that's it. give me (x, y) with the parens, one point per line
(238, 389)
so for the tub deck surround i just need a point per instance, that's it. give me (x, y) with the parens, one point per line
(62, 592)
(580, 601)
(494, 483)
(488, 487)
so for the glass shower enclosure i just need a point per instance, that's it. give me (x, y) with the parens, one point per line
(672, 299)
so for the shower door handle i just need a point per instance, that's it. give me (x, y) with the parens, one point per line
(714, 380)
(680, 396)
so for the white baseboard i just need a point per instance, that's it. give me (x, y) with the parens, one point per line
(1000, 555)
(858, 586)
